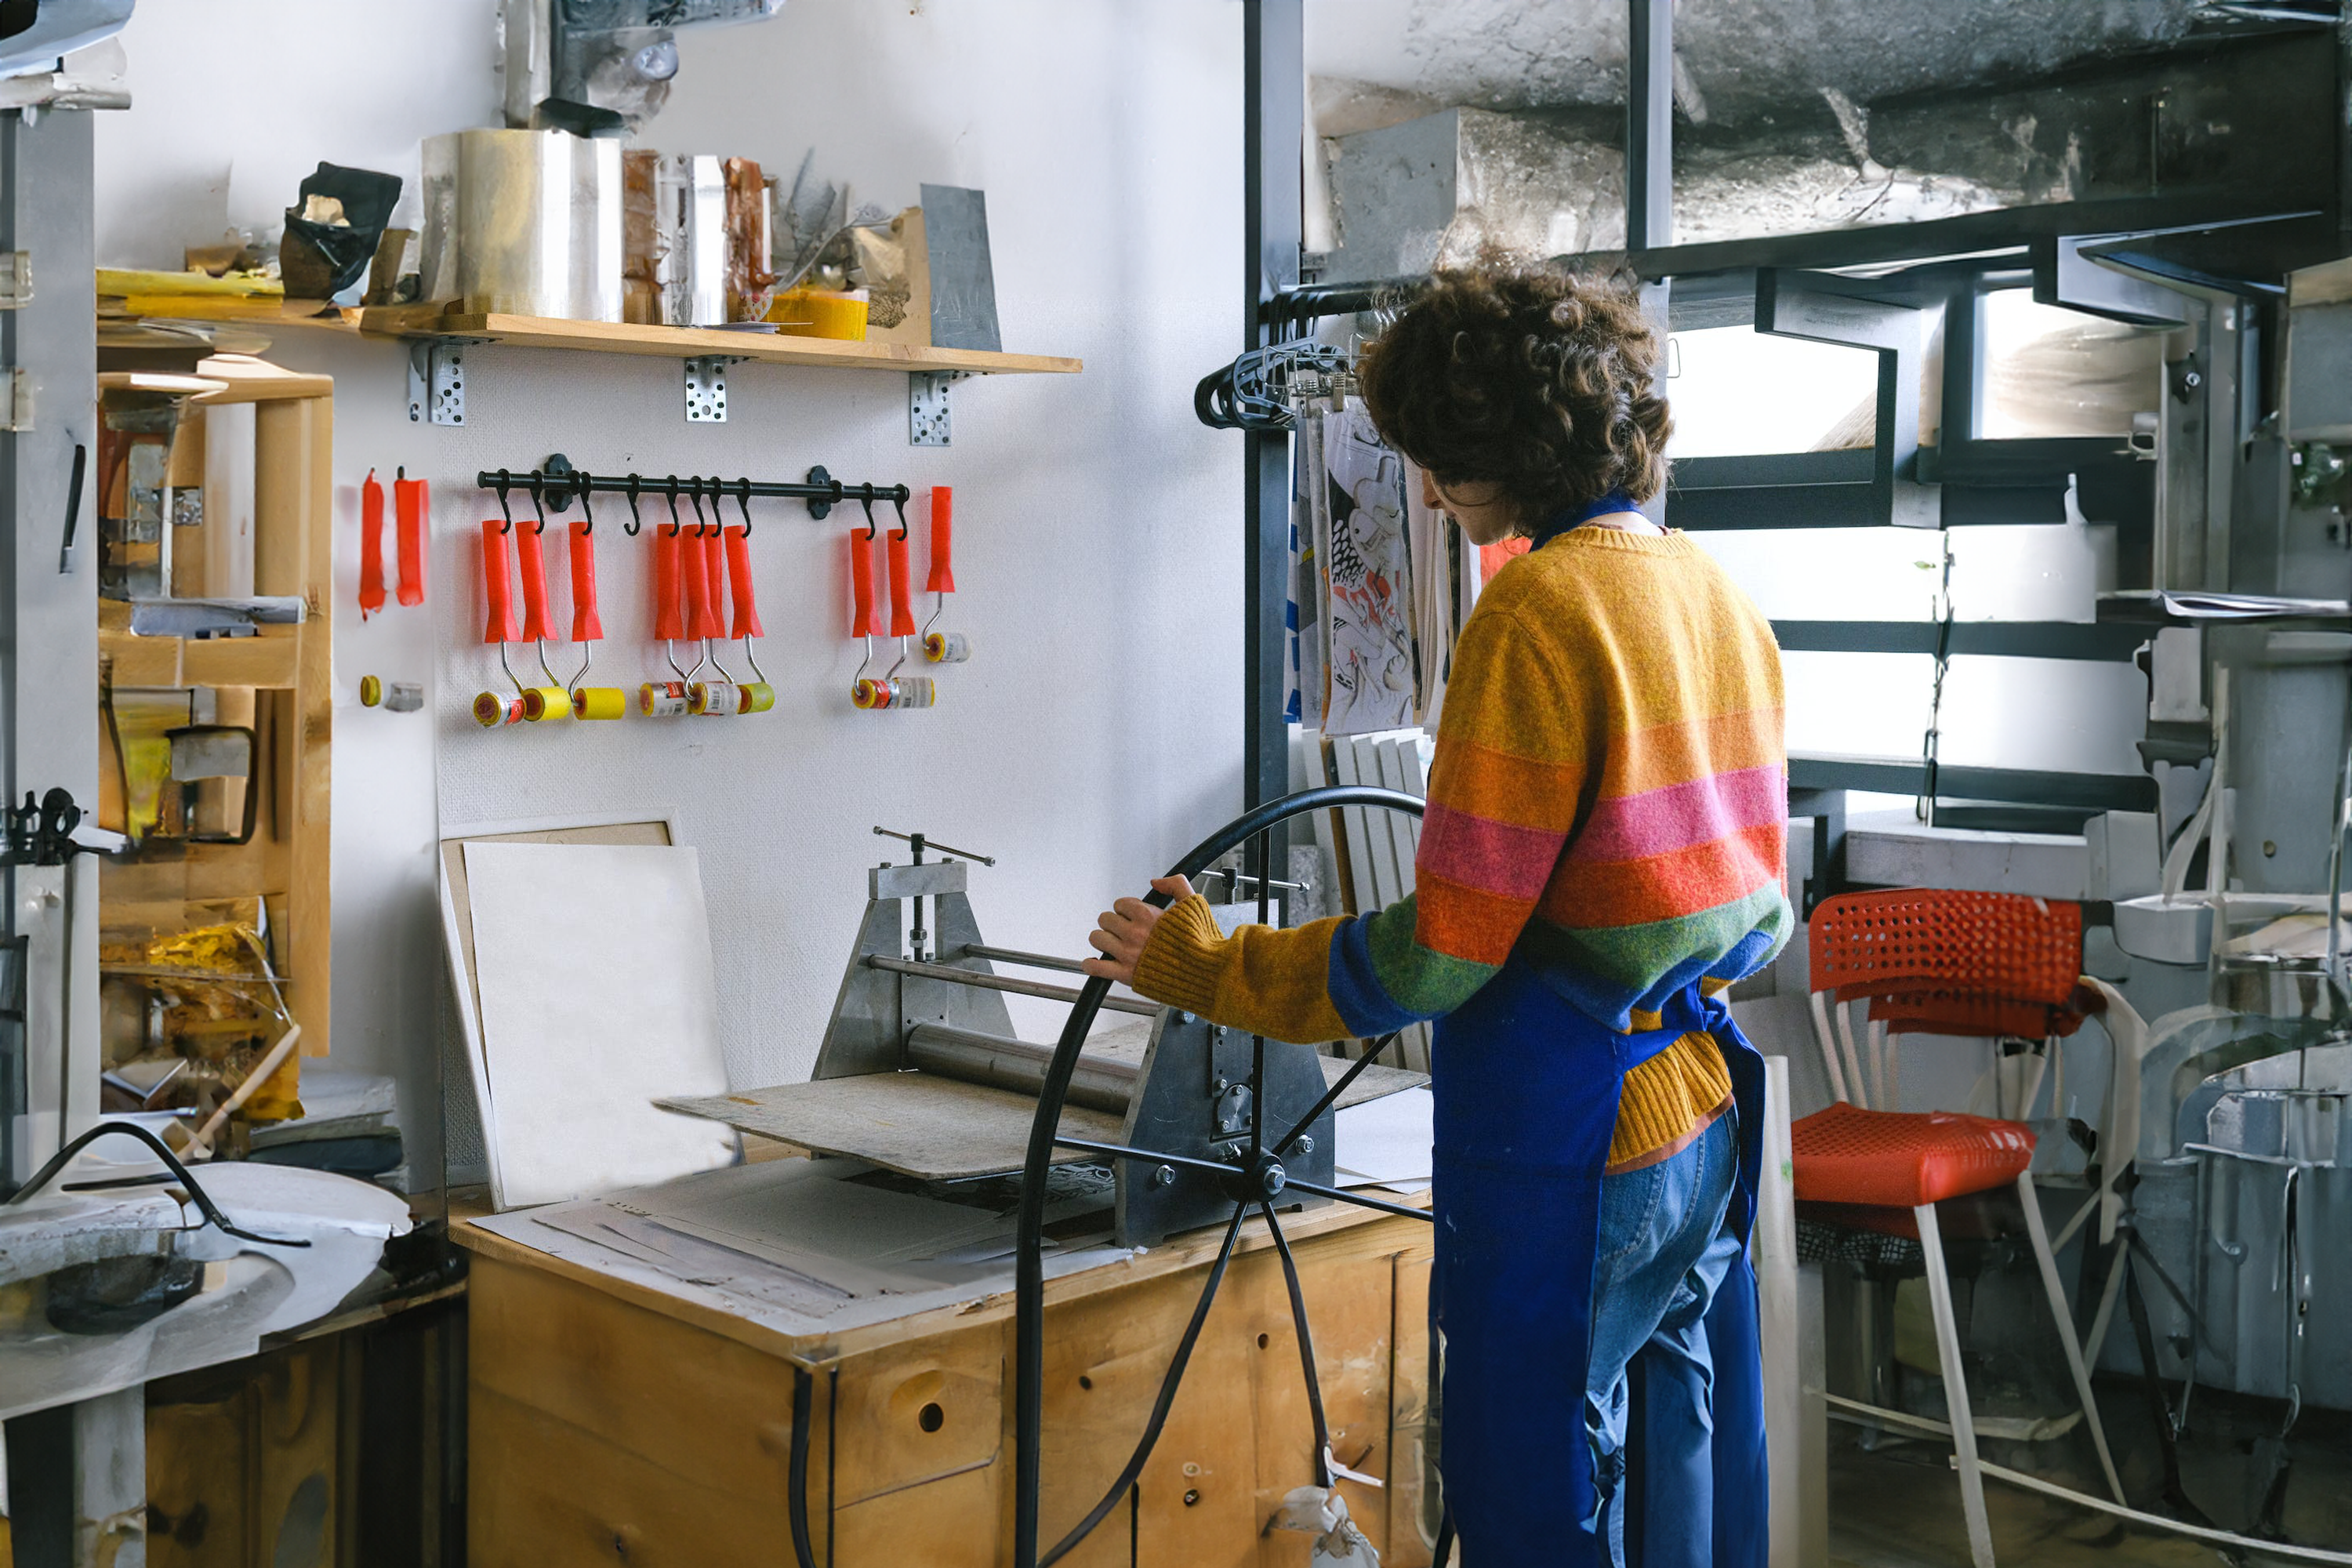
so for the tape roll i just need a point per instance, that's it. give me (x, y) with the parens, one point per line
(370, 690)
(599, 702)
(662, 700)
(490, 710)
(546, 702)
(914, 692)
(758, 697)
(869, 694)
(714, 699)
(947, 647)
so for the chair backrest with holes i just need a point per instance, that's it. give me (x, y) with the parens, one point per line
(1938, 961)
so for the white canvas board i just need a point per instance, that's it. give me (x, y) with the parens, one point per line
(598, 995)
(1386, 888)
(1360, 886)
(1386, 1139)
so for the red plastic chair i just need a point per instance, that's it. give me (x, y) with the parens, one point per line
(1935, 962)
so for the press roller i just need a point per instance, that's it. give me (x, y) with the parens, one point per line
(920, 1070)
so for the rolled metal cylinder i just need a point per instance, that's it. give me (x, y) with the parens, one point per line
(525, 222)
(973, 977)
(975, 1056)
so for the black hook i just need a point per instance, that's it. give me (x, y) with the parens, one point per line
(503, 478)
(580, 481)
(867, 501)
(899, 503)
(673, 509)
(701, 524)
(636, 521)
(537, 480)
(399, 475)
(743, 500)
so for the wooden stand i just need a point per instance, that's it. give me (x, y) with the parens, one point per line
(614, 1423)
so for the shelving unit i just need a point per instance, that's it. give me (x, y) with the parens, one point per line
(283, 674)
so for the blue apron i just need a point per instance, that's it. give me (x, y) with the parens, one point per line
(1526, 1090)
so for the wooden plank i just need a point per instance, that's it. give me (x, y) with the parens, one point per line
(684, 342)
(294, 524)
(271, 659)
(253, 380)
(942, 1525)
(140, 661)
(923, 1412)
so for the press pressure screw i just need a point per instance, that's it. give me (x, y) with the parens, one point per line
(1165, 1176)
(1306, 1145)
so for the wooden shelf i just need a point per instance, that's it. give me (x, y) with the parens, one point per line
(267, 660)
(619, 337)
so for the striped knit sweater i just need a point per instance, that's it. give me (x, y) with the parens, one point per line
(1607, 802)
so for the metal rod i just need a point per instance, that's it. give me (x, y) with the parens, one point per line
(1014, 955)
(930, 843)
(1361, 1201)
(1330, 1096)
(1149, 1156)
(997, 1062)
(975, 978)
(573, 483)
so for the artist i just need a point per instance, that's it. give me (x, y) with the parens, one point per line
(1601, 859)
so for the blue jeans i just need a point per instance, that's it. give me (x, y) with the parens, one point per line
(1664, 1247)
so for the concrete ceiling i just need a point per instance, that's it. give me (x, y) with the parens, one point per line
(1741, 63)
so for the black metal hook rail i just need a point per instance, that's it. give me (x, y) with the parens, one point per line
(558, 482)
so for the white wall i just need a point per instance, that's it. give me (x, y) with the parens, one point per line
(1096, 731)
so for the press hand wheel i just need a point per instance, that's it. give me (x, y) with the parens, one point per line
(1256, 1182)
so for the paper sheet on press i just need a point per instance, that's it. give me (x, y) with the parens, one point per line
(1385, 1142)
(597, 990)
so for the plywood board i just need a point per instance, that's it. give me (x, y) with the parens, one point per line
(597, 995)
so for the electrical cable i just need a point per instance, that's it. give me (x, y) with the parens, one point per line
(1161, 1405)
(796, 1471)
(196, 1194)
(1306, 1349)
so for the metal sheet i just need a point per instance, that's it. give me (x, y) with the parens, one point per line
(524, 222)
(963, 279)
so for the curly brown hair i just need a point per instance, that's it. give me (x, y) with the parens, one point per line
(1529, 378)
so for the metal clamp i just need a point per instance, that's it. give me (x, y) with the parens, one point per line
(16, 280)
(19, 412)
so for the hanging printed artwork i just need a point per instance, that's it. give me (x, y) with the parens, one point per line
(1305, 608)
(1367, 570)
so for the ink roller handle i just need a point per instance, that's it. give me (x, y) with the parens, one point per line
(667, 547)
(532, 552)
(942, 578)
(587, 625)
(862, 620)
(738, 575)
(497, 586)
(902, 609)
(713, 620)
(408, 501)
(371, 546)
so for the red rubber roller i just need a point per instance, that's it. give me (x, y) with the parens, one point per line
(586, 625)
(738, 579)
(531, 552)
(371, 546)
(497, 586)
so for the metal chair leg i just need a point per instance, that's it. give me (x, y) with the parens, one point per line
(1955, 1389)
(2059, 1309)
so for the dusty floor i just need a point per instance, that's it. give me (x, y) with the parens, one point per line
(1900, 1507)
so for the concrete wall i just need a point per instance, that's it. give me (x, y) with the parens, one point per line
(1096, 731)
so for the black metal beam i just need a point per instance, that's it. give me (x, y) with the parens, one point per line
(2096, 642)
(1885, 775)
(1274, 117)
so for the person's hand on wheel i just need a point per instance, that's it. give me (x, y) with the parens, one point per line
(1124, 929)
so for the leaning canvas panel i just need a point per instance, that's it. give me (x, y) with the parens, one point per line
(1367, 562)
(598, 995)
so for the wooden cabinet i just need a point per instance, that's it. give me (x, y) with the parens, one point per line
(610, 1424)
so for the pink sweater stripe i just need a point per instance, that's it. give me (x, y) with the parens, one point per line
(1478, 852)
(1660, 821)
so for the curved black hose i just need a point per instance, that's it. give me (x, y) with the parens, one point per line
(796, 1473)
(1029, 1287)
(1161, 1405)
(203, 1200)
